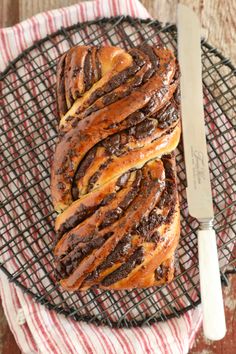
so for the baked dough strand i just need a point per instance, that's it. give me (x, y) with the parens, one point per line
(113, 179)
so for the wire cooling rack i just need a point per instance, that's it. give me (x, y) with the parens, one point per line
(28, 134)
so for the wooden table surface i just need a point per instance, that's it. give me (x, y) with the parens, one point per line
(218, 20)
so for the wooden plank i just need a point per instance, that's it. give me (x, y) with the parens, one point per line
(9, 12)
(7, 342)
(218, 19)
(228, 344)
(28, 8)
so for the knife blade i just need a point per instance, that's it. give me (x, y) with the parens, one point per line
(199, 194)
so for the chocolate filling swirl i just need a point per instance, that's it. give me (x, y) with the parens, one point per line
(113, 174)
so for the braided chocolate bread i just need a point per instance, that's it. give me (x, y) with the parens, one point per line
(113, 178)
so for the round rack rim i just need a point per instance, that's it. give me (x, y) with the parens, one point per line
(113, 20)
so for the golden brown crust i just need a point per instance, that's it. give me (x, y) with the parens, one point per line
(111, 177)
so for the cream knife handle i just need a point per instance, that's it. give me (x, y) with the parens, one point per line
(214, 326)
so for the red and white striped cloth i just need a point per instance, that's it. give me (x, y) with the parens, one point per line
(36, 329)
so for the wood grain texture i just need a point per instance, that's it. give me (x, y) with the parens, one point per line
(9, 12)
(28, 8)
(228, 344)
(218, 18)
(7, 342)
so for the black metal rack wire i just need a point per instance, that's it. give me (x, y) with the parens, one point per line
(28, 131)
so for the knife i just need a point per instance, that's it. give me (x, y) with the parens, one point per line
(199, 195)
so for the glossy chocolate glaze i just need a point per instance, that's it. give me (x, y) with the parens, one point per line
(136, 152)
(122, 248)
(146, 225)
(143, 129)
(82, 137)
(93, 179)
(60, 87)
(146, 228)
(151, 188)
(123, 179)
(81, 171)
(68, 263)
(88, 71)
(118, 87)
(84, 211)
(116, 81)
(153, 58)
(149, 223)
(123, 271)
(119, 227)
(117, 145)
(160, 272)
(168, 116)
(75, 219)
(112, 215)
(97, 68)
